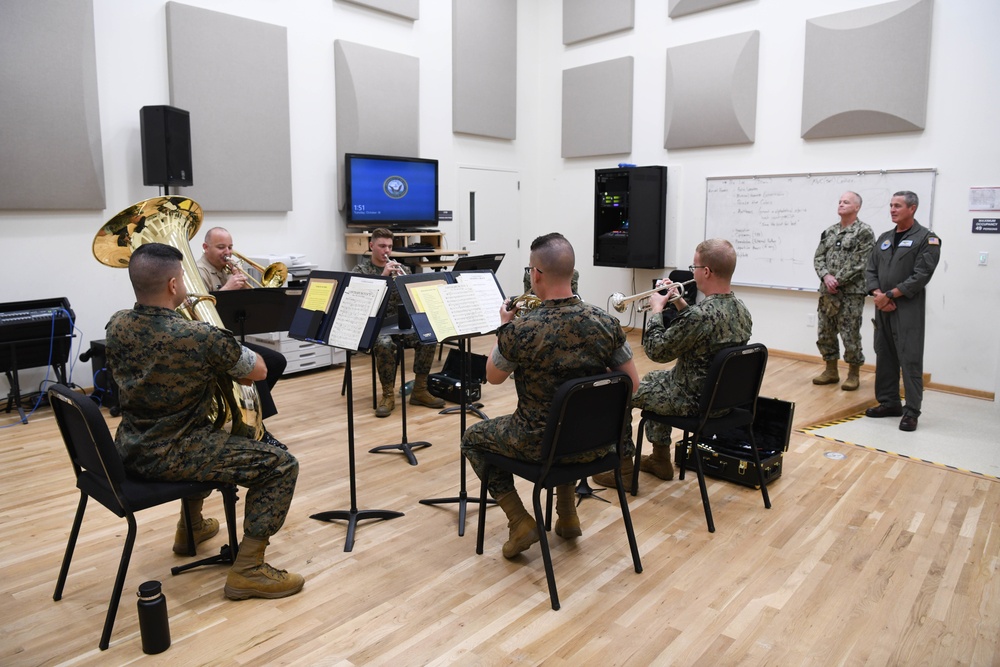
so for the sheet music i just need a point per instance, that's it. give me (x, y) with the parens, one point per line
(464, 308)
(356, 304)
(487, 295)
(432, 304)
(319, 294)
(381, 285)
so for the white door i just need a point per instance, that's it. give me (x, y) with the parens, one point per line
(489, 220)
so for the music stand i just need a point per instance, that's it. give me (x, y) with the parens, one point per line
(478, 263)
(254, 311)
(404, 446)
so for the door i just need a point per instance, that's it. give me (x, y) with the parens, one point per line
(489, 220)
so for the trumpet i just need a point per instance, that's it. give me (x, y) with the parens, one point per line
(273, 275)
(523, 304)
(619, 301)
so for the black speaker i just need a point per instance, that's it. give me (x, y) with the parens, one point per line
(166, 146)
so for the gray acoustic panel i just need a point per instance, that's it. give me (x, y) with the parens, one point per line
(231, 74)
(50, 126)
(484, 67)
(584, 19)
(685, 7)
(378, 105)
(867, 70)
(597, 108)
(712, 92)
(408, 9)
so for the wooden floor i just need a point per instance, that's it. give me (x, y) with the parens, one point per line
(869, 560)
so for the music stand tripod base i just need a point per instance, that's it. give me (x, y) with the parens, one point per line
(352, 516)
(404, 446)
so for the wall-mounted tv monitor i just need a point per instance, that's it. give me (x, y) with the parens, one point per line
(393, 192)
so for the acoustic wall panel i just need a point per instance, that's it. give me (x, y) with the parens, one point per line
(50, 129)
(685, 7)
(712, 92)
(584, 19)
(231, 74)
(484, 68)
(597, 108)
(408, 9)
(378, 106)
(867, 70)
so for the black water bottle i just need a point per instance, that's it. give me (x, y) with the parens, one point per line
(154, 627)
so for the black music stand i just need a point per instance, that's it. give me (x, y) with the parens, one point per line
(254, 311)
(462, 499)
(397, 334)
(315, 327)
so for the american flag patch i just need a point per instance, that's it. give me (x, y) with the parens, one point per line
(933, 240)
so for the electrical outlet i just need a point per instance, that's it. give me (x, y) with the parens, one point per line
(984, 258)
(811, 320)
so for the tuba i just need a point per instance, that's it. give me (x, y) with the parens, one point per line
(173, 221)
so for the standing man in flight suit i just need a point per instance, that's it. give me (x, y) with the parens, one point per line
(901, 264)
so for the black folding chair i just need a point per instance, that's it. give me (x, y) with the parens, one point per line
(732, 385)
(587, 414)
(101, 475)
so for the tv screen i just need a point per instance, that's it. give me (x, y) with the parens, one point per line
(393, 192)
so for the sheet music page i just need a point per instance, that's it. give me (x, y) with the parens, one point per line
(352, 315)
(319, 294)
(488, 296)
(463, 306)
(381, 285)
(430, 300)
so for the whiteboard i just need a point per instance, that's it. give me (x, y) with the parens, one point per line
(775, 222)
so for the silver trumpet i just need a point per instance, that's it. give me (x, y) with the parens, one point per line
(620, 302)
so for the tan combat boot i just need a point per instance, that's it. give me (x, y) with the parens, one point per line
(203, 528)
(830, 375)
(420, 395)
(607, 479)
(523, 531)
(853, 381)
(251, 577)
(387, 403)
(658, 463)
(567, 521)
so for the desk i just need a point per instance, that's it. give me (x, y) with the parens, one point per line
(356, 243)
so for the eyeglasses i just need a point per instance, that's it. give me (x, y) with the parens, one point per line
(527, 270)
(697, 266)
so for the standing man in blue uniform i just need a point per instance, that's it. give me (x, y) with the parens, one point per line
(901, 264)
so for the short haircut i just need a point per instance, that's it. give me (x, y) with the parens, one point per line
(856, 196)
(554, 255)
(212, 231)
(381, 233)
(151, 266)
(718, 255)
(910, 198)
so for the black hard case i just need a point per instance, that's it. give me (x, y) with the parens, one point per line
(728, 455)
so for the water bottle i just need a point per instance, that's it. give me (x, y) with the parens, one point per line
(154, 627)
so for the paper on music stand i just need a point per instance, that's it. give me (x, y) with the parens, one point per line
(428, 300)
(487, 295)
(319, 294)
(464, 307)
(357, 303)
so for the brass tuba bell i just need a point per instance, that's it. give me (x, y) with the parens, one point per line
(173, 221)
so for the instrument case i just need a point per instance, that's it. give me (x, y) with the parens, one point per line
(728, 456)
(448, 383)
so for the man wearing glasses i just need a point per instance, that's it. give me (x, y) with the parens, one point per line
(693, 338)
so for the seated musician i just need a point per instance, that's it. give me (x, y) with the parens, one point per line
(167, 369)
(562, 339)
(693, 338)
(220, 274)
(378, 263)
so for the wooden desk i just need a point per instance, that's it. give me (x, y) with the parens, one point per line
(356, 243)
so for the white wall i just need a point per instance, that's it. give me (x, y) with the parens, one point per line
(47, 254)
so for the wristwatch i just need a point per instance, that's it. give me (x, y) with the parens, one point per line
(889, 295)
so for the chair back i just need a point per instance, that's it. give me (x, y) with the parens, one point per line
(734, 379)
(96, 461)
(587, 413)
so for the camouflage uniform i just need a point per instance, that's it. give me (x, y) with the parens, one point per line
(167, 370)
(694, 337)
(906, 264)
(385, 347)
(560, 340)
(842, 252)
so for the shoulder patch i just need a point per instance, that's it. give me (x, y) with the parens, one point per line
(933, 240)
